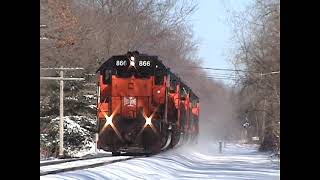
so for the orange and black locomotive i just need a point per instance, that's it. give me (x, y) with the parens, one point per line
(143, 107)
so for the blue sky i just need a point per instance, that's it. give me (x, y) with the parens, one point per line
(210, 27)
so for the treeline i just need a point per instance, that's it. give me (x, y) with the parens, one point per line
(257, 52)
(80, 33)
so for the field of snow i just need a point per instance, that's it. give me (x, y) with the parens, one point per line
(237, 161)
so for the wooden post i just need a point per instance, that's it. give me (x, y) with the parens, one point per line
(97, 132)
(61, 79)
(220, 147)
(245, 135)
(61, 115)
(263, 120)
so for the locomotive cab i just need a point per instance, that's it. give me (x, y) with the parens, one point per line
(131, 105)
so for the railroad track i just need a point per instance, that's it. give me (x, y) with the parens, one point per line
(46, 163)
(54, 167)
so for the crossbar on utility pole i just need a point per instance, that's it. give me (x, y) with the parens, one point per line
(62, 68)
(61, 79)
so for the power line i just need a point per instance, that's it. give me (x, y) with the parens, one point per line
(217, 69)
(64, 79)
(216, 75)
(233, 70)
(222, 78)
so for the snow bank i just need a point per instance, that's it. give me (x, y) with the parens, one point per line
(238, 161)
(78, 138)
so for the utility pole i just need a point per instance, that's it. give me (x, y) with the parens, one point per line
(263, 120)
(61, 115)
(61, 79)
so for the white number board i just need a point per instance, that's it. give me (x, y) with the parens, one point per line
(121, 63)
(144, 63)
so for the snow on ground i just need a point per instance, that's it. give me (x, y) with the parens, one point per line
(83, 152)
(92, 106)
(237, 161)
(71, 98)
(90, 151)
(89, 96)
(79, 163)
(73, 126)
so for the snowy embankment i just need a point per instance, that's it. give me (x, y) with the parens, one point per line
(77, 132)
(200, 162)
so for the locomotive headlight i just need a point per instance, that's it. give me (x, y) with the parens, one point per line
(158, 91)
(109, 120)
(148, 121)
(132, 63)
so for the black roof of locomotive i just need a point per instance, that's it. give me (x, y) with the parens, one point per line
(109, 64)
